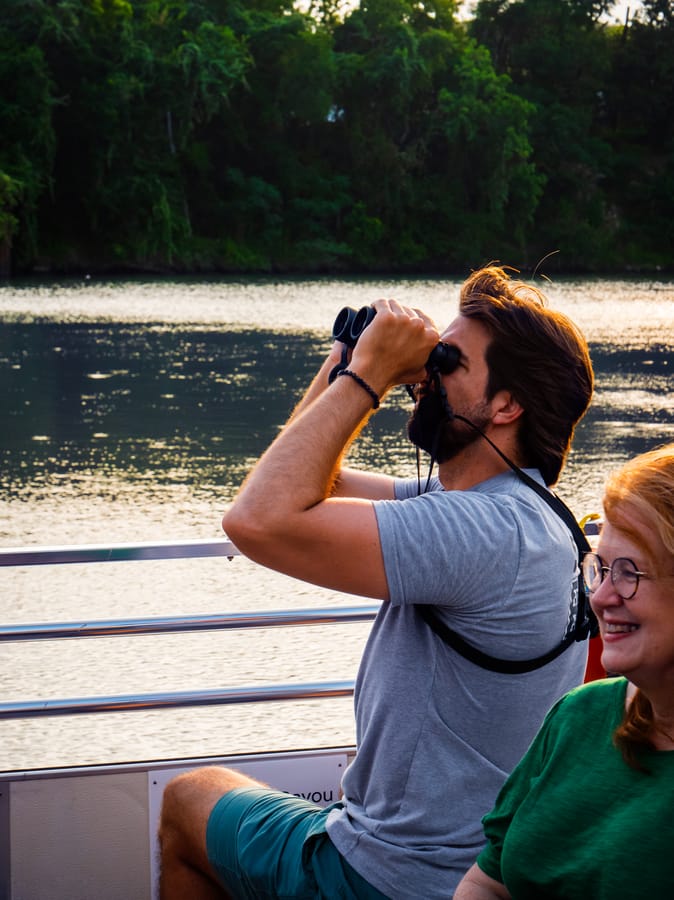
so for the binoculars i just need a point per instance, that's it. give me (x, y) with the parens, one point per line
(350, 324)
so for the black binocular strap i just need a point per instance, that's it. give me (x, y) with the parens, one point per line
(484, 660)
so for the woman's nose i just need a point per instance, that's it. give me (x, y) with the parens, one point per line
(605, 595)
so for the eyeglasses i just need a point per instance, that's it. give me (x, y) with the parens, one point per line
(624, 575)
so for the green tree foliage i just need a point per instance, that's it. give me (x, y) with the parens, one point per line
(27, 145)
(144, 82)
(433, 141)
(259, 181)
(558, 60)
(601, 135)
(248, 135)
(640, 101)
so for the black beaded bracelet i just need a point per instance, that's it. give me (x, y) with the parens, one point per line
(365, 386)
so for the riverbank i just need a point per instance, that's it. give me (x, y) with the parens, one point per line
(86, 270)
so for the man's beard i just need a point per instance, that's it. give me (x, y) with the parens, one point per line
(431, 429)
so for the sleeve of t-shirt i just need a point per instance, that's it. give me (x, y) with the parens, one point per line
(460, 549)
(412, 487)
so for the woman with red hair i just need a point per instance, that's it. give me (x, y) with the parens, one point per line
(587, 812)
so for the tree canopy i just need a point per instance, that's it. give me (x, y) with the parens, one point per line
(258, 136)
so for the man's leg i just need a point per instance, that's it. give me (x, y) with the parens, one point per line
(187, 804)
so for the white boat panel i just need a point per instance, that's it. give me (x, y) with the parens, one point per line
(89, 833)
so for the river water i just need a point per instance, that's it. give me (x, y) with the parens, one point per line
(131, 411)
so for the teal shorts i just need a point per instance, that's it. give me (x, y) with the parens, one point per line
(267, 844)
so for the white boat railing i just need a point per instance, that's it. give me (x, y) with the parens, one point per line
(38, 556)
(82, 553)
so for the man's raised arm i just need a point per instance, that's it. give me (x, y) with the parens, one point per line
(286, 515)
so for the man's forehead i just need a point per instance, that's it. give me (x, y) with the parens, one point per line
(466, 333)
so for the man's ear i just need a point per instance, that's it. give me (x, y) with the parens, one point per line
(505, 408)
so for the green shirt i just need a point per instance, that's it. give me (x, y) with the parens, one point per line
(574, 820)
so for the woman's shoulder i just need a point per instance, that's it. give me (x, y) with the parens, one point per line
(600, 694)
(586, 714)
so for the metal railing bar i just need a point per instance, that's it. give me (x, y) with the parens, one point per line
(88, 553)
(41, 631)
(174, 699)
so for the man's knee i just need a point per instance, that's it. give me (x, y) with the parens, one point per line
(190, 797)
(181, 788)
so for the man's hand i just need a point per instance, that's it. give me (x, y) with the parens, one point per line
(395, 346)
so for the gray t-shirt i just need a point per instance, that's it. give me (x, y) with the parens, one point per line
(436, 734)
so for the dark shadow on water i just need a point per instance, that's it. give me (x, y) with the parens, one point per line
(201, 404)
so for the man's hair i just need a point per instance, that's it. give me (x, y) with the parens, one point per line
(537, 354)
(642, 493)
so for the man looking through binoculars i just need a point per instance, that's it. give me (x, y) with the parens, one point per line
(437, 733)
